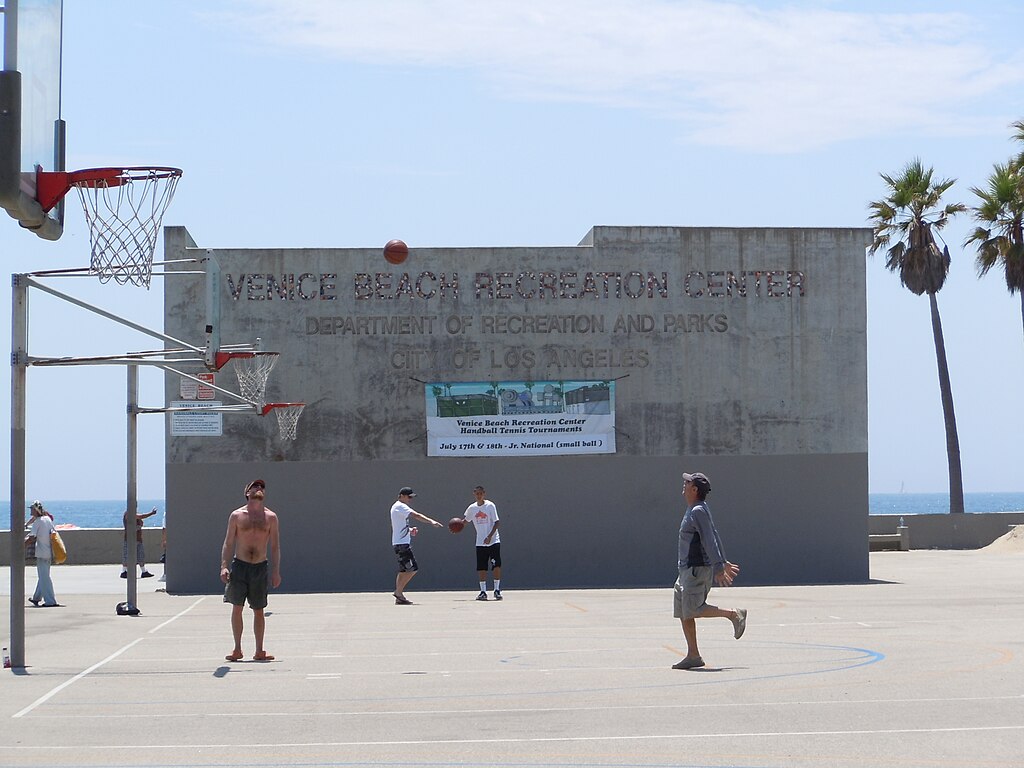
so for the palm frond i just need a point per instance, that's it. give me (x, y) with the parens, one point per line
(1000, 211)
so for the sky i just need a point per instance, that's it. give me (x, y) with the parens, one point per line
(346, 123)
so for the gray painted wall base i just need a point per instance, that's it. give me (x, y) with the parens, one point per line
(609, 521)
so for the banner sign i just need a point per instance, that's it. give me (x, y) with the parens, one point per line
(520, 418)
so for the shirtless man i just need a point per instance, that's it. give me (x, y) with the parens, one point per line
(250, 530)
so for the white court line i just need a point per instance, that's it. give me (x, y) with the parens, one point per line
(507, 670)
(136, 746)
(518, 651)
(175, 618)
(855, 623)
(47, 696)
(533, 710)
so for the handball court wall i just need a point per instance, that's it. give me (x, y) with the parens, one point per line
(737, 352)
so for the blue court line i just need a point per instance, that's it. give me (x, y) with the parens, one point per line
(862, 657)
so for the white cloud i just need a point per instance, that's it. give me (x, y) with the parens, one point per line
(790, 78)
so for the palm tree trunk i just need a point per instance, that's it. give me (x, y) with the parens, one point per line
(956, 477)
(1022, 307)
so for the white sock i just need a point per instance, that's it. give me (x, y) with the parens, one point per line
(483, 586)
(497, 585)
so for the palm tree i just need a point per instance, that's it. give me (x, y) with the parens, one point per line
(905, 223)
(1000, 236)
(1018, 126)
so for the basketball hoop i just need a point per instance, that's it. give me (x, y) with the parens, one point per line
(253, 369)
(287, 417)
(124, 208)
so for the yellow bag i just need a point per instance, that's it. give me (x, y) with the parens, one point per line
(60, 554)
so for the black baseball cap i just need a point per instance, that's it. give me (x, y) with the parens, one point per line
(700, 480)
(407, 491)
(255, 484)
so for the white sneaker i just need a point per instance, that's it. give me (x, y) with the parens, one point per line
(739, 624)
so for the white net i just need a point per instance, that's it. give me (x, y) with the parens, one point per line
(288, 419)
(253, 369)
(124, 212)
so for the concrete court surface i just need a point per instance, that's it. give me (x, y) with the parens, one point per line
(922, 667)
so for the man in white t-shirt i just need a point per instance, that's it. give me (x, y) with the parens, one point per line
(401, 541)
(39, 534)
(484, 517)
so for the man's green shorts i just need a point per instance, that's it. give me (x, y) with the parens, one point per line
(247, 581)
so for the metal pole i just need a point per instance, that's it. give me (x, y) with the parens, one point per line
(212, 307)
(110, 315)
(130, 525)
(11, 44)
(19, 340)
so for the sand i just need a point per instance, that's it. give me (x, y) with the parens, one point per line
(1008, 542)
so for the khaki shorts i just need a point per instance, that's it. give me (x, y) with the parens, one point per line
(692, 588)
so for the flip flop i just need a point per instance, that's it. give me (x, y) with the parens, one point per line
(234, 656)
(262, 656)
(402, 600)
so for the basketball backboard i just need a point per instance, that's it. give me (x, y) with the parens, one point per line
(31, 129)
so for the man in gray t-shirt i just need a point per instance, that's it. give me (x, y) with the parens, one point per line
(701, 562)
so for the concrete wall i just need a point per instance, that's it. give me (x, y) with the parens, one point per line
(94, 546)
(968, 531)
(761, 383)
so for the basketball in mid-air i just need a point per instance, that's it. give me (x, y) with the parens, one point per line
(396, 251)
(456, 524)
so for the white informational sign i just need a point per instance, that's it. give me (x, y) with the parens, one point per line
(520, 418)
(195, 423)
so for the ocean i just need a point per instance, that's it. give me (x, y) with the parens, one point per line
(90, 514)
(107, 514)
(938, 503)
